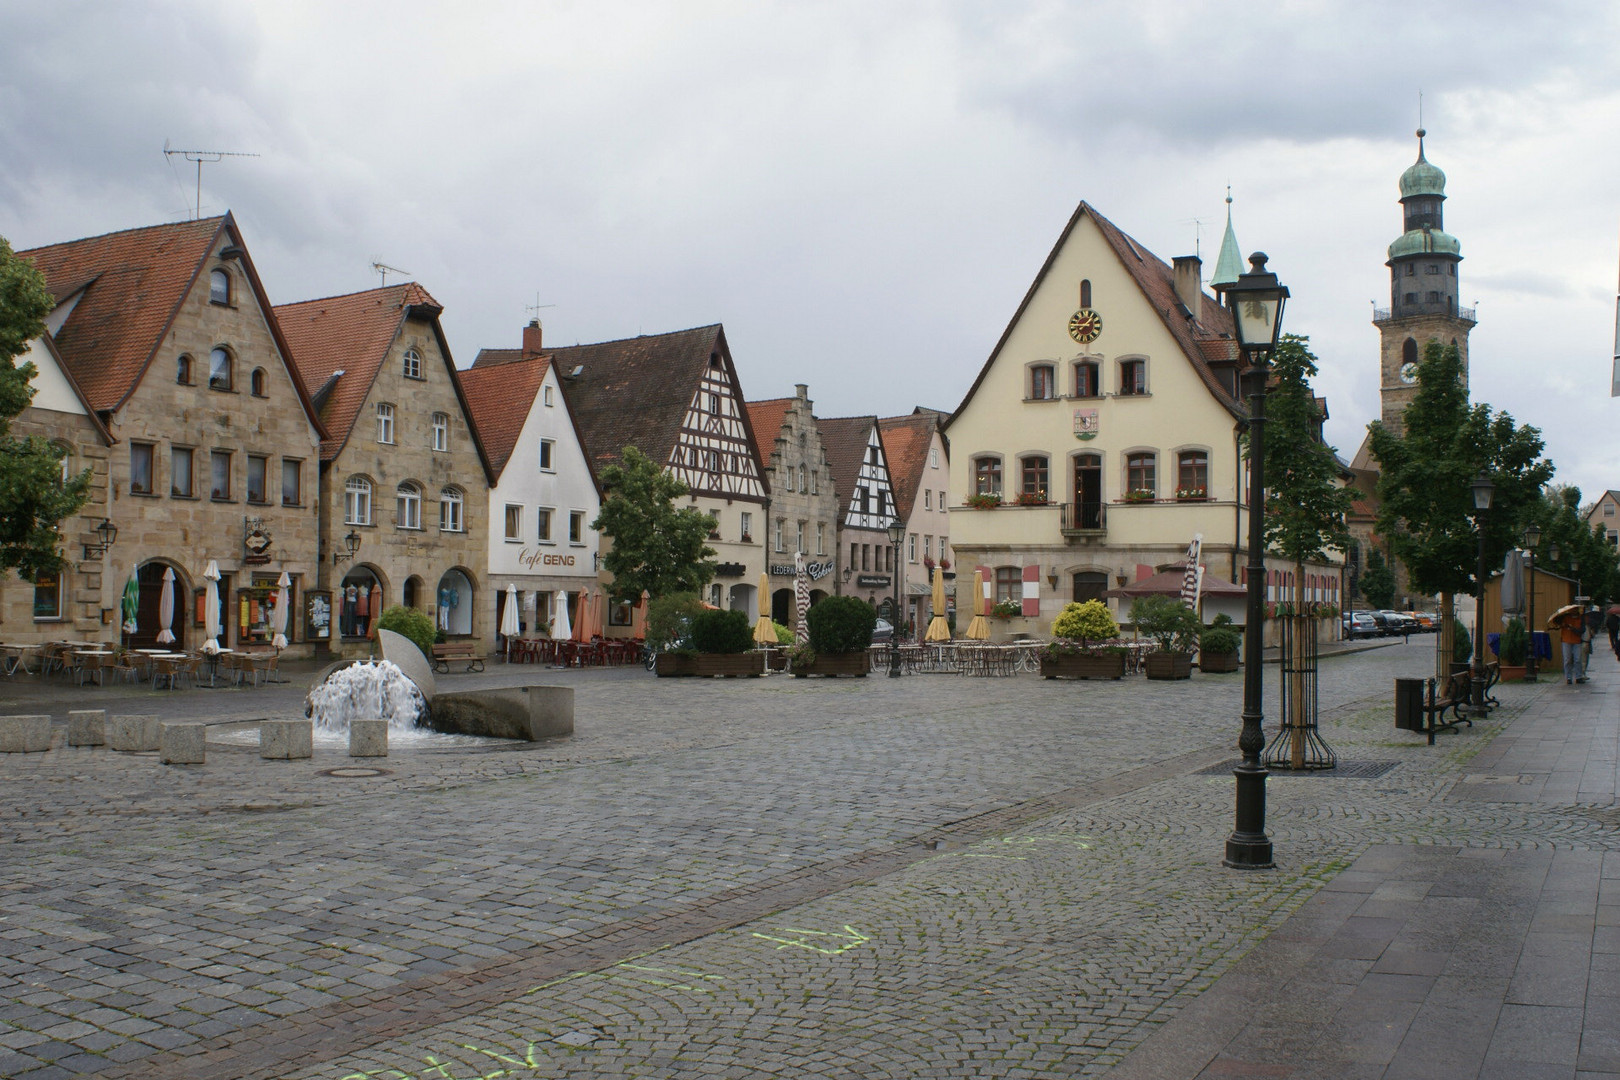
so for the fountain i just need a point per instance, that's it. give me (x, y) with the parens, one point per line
(401, 689)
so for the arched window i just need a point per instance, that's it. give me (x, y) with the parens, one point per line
(1140, 480)
(357, 501)
(987, 476)
(410, 506)
(802, 486)
(1192, 474)
(219, 287)
(450, 507)
(182, 370)
(454, 603)
(359, 600)
(1087, 380)
(1085, 293)
(413, 364)
(1409, 352)
(219, 370)
(257, 382)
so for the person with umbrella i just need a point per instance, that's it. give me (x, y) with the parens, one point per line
(1571, 627)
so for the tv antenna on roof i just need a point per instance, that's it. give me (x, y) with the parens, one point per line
(201, 157)
(383, 270)
(536, 307)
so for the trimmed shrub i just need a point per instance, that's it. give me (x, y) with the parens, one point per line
(841, 624)
(1219, 639)
(784, 636)
(416, 625)
(1085, 622)
(1514, 645)
(669, 618)
(1462, 647)
(1168, 621)
(721, 631)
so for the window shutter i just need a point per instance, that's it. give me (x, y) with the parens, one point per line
(1032, 591)
(989, 588)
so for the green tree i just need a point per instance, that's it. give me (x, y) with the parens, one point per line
(1378, 582)
(1306, 497)
(33, 496)
(656, 547)
(1427, 509)
(1584, 552)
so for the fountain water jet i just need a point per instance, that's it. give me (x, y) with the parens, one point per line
(367, 690)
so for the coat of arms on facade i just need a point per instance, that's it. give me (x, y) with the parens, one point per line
(1085, 423)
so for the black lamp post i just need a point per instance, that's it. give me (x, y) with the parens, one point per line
(1483, 489)
(897, 533)
(1255, 301)
(1532, 539)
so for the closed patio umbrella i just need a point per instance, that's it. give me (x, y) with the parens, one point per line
(764, 632)
(376, 609)
(1513, 584)
(801, 600)
(979, 628)
(560, 630)
(211, 608)
(582, 624)
(638, 616)
(938, 628)
(132, 600)
(279, 642)
(166, 608)
(509, 614)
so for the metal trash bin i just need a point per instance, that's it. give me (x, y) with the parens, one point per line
(1409, 704)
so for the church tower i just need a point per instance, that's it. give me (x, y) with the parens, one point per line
(1422, 290)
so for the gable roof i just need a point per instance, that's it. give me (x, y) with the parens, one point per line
(845, 439)
(501, 399)
(635, 391)
(905, 446)
(767, 418)
(339, 344)
(1202, 340)
(55, 355)
(129, 287)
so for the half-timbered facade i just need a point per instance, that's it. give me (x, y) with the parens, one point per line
(677, 399)
(866, 506)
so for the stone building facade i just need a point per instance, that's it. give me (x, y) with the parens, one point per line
(803, 511)
(168, 332)
(402, 471)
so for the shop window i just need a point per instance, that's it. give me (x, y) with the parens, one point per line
(48, 595)
(360, 601)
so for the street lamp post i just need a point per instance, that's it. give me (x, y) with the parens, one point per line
(1532, 539)
(1256, 302)
(897, 533)
(1483, 489)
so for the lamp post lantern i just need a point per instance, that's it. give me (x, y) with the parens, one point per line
(1483, 490)
(1256, 302)
(897, 533)
(1532, 539)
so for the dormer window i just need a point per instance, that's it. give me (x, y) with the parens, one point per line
(219, 287)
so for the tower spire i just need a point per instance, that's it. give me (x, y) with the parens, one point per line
(1229, 263)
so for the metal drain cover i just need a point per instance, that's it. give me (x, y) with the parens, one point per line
(1345, 770)
(354, 772)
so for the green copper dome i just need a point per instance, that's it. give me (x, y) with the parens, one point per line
(1421, 178)
(1425, 242)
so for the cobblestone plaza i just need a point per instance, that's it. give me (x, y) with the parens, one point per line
(928, 876)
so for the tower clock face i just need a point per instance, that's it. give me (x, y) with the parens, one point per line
(1085, 325)
(1408, 373)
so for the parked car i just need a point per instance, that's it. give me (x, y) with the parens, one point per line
(1400, 622)
(1426, 621)
(882, 632)
(1358, 624)
(1382, 621)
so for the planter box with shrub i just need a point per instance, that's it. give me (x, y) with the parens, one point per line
(1083, 665)
(840, 633)
(1169, 665)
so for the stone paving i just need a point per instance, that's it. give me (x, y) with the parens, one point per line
(931, 876)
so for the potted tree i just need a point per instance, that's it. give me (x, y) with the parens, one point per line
(1513, 649)
(840, 633)
(725, 644)
(1079, 650)
(1175, 628)
(1218, 646)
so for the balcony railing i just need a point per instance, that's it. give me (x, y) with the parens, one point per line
(1084, 519)
(1383, 315)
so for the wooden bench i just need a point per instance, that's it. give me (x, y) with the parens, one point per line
(456, 650)
(1493, 675)
(1458, 693)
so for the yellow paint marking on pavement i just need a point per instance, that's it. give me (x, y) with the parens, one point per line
(851, 938)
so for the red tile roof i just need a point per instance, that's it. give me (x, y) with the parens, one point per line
(905, 446)
(1201, 339)
(767, 418)
(350, 334)
(130, 286)
(500, 398)
(844, 438)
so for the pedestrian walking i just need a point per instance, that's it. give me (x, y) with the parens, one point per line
(1571, 626)
(1611, 623)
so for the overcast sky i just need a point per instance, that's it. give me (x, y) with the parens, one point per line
(861, 192)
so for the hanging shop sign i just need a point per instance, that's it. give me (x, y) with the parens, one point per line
(873, 581)
(256, 541)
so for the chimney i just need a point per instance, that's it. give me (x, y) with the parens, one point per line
(1189, 283)
(531, 338)
(802, 391)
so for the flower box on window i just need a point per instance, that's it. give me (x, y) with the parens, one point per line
(984, 502)
(1137, 497)
(1032, 498)
(1196, 494)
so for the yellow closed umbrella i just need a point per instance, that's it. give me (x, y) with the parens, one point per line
(979, 628)
(938, 628)
(764, 632)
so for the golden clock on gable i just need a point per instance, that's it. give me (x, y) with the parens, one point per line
(1085, 325)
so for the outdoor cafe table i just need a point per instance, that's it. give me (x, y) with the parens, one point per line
(166, 665)
(213, 664)
(16, 656)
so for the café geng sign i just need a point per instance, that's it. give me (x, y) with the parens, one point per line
(814, 571)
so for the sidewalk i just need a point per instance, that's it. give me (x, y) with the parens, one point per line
(1441, 962)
